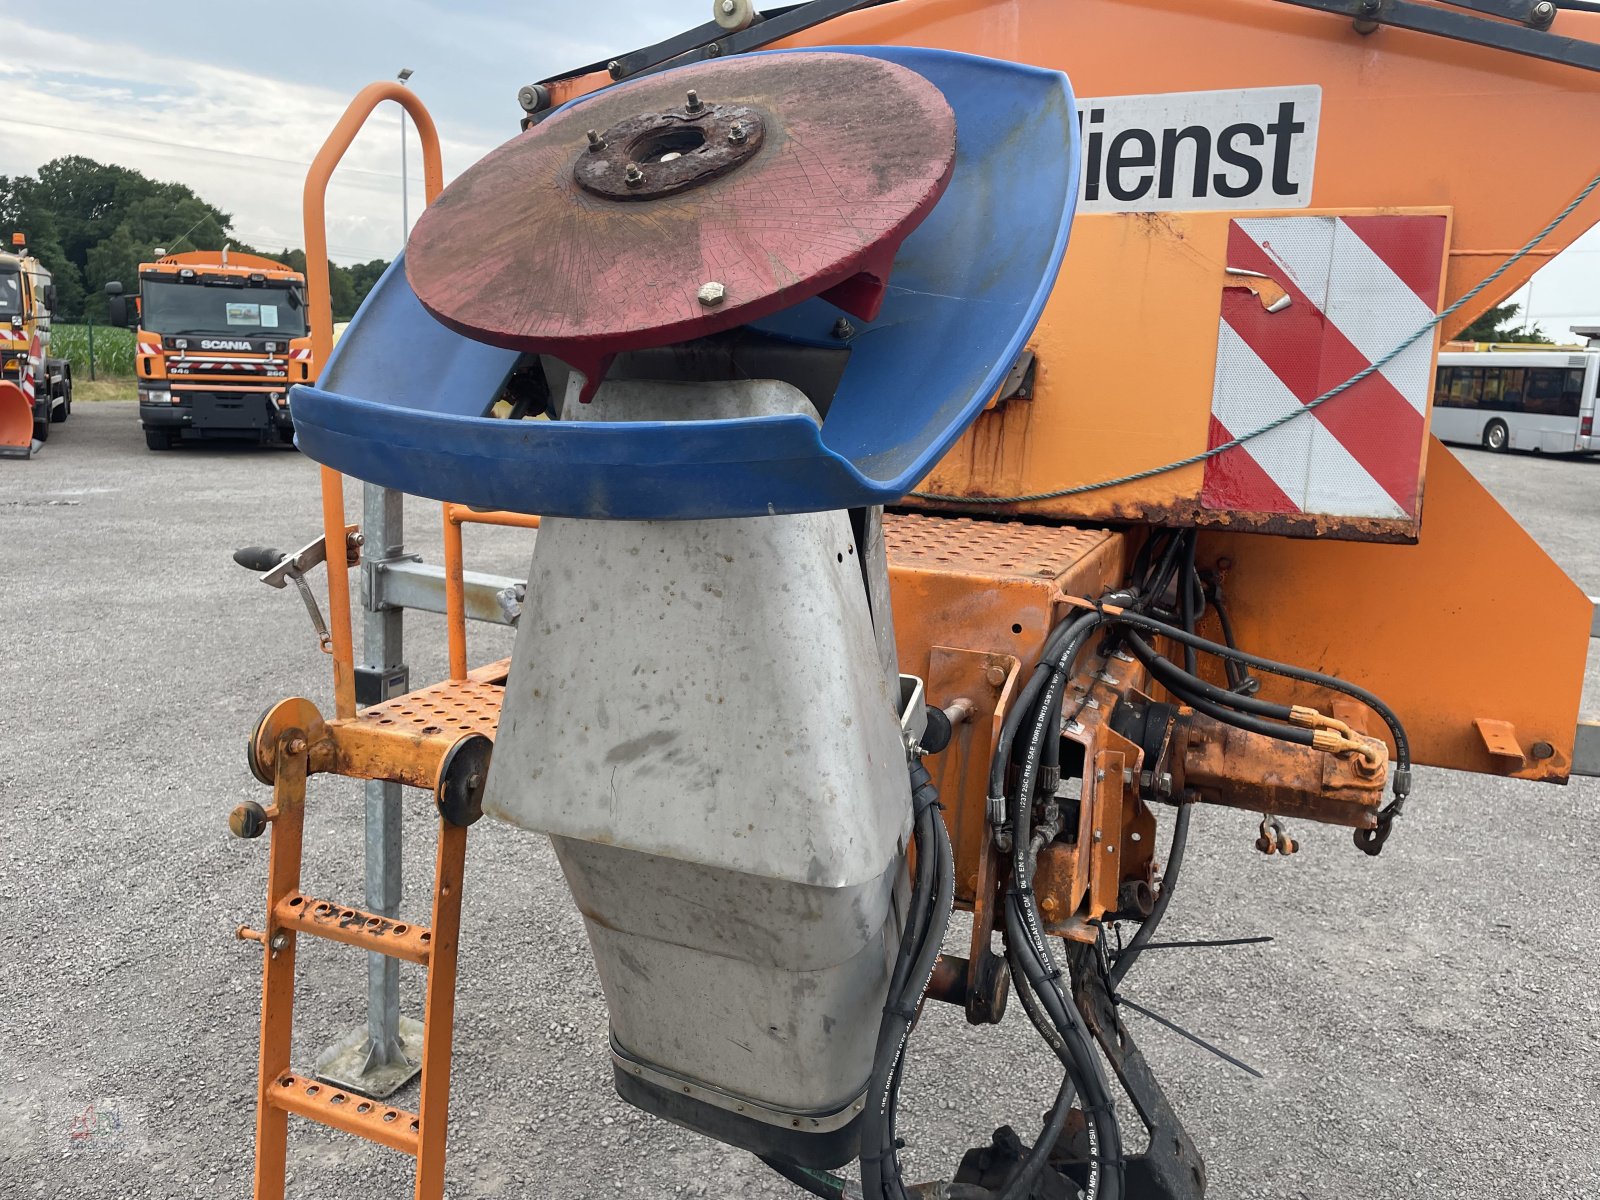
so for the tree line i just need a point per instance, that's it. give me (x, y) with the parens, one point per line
(90, 223)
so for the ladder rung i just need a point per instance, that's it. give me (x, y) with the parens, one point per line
(347, 1111)
(307, 914)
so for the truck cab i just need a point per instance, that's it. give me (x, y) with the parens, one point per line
(220, 338)
(27, 301)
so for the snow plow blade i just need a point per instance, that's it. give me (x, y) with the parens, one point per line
(16, 423)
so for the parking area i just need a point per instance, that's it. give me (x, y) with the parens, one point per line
(1428, 1022)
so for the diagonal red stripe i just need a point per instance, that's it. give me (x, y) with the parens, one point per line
(1372, 420)
(1235, 481)
(1411, 247)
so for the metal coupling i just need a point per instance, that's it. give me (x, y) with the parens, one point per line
(997, 811)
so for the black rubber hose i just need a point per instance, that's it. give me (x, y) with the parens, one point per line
(1023, 702)
(1030, 947)
(1191, 661)
(880, 1171)
(1177, 679)
(1385, 713)
(1105, 1141)
(1158, 911)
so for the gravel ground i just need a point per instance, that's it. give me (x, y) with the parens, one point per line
(1428, 1022)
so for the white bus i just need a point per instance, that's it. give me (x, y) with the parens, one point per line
(1540, 400)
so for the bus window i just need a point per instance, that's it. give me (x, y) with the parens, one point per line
(1442, 381)
(1544, 389)
(1512, 395)
(1458, 387)
(1572, 393)
(1489, 390)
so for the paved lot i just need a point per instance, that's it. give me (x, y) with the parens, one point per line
(1429, 1022)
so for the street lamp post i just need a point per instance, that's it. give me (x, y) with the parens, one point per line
(405, 181)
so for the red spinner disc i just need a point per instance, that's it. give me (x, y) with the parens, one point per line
(685, 203)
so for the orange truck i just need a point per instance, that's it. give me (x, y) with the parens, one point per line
(220, 338)
(35, 389)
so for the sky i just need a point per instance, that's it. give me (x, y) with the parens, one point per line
(236, 106)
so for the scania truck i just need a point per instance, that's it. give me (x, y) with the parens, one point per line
(220, 336)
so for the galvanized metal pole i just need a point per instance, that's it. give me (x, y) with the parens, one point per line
(381, 1057)
(383, 647)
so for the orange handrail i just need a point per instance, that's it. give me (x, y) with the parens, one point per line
(320, 305)
(455, 599)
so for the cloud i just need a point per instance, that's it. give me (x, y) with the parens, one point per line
(241, 139)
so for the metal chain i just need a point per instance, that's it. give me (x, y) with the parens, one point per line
(1233, 443)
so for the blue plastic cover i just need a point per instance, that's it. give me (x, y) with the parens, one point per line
(402, 400)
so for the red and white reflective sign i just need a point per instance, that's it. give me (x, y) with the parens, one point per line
(1357, 287)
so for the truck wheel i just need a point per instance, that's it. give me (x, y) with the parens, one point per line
(1496, 437)
(158, 439)
(66, 395)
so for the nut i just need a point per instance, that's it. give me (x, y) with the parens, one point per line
(995, 675)
(596, 142)
(694, 103)
(711, 294)
(738, 132)
(633, 176)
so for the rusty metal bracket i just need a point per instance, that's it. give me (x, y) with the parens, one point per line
(1171, 1167)
(1500, 740)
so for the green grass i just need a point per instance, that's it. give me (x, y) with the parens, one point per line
(113, 350)
(102, 388)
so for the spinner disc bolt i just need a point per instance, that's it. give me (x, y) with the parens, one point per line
(695, 104)
(596, 142)
(738, 133)
(633, 176)
(711, 294)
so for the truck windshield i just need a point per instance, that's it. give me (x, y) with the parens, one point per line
(202, 308)
(10, 293)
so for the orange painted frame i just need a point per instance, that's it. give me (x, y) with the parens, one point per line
(320, 303)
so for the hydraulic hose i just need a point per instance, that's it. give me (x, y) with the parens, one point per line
(919, 950)
(1384, 712)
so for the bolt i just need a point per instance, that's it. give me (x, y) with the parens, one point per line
(1165, 788)
(596, 142)
(633, 176)
(614, 69)
(1097, 835)
(474, 782)
(1544, 10)
(727, 7)
(694, 105)
(1543, 750)
(711, 294)
(280, 941)
(995, 675)
(738, 133)
(296, 746)
(844, 331)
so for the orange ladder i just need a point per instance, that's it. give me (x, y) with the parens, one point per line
(291, 743)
